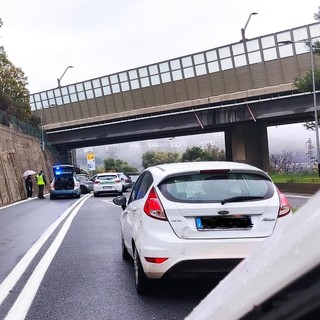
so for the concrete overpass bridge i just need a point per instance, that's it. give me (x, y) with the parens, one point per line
(241, 89)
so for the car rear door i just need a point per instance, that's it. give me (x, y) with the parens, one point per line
(131, 217)
(233, 206)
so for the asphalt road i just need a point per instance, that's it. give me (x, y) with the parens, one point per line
(297, 200)
(86, 278)
(73, 267)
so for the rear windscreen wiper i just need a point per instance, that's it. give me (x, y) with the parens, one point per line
(240, 198)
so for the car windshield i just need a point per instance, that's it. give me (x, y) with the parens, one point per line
(217, 187)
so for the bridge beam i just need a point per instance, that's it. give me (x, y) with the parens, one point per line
(248, 143)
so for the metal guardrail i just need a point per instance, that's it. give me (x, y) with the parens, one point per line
(19, 125)
(25, 128)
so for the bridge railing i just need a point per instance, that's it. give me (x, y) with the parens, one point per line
(209, 73)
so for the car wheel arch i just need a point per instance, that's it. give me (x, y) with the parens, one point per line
(142, 282)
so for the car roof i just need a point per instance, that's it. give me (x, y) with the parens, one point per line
(182, 167)
(63, 166)
(163, 171)
(107, 173)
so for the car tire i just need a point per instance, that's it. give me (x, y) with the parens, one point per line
(83, 189)
(95, 194)
(52, 197)
(125, 254)
(142, 283)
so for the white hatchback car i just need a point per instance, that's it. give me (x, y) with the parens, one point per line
(197, 218)
(107, 183)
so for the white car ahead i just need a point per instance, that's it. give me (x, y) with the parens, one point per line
(107, 183)
(197, 218)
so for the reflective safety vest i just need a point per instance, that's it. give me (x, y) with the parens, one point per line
(40, 180)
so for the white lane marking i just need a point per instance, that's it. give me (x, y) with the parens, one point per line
(19, 202)
(109, 202)
(22, 305)
(10, 281)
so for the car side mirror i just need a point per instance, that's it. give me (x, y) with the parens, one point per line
(120, 201)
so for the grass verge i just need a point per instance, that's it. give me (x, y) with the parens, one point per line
(295, 177)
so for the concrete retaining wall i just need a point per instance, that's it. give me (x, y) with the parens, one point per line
(18, 153)
(307, 188)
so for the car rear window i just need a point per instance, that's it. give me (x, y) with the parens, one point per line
(107, 177)
(215, 187)
(59, 170)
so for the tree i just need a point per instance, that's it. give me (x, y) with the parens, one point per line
(193, 154)
(152, 158)
(283, 162)
(35, 121)
(311, 159)
(214, 153)
(118, 165)
(14, 96)
(210, 153)
(316, 15)
(305, 83)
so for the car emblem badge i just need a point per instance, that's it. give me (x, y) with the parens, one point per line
(223, 212)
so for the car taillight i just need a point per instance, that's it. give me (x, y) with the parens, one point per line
(155, 260)
(96, 181)
(284, 205)
(77, 185)
(153, 207)
(117, 180)
(51, 186)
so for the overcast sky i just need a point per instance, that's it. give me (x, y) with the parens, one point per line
(100, 37)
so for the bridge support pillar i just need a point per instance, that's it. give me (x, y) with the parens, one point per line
(248, 143)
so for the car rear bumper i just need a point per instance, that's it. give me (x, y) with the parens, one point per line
(60, 193)
(190, 257)
(114, 191)
(209, 268)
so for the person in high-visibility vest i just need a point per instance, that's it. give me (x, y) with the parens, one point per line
(41, 182)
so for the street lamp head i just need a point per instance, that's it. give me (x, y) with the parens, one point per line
(285, 42)
(251, 14)
(59, 79)
(305, 41)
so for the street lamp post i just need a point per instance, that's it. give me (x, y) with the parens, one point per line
(42, 132)
(244, 41)
(59, 79)
(243, 30)
(310, 44)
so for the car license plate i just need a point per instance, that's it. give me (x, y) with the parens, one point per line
(224, 223)
(107, 188)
